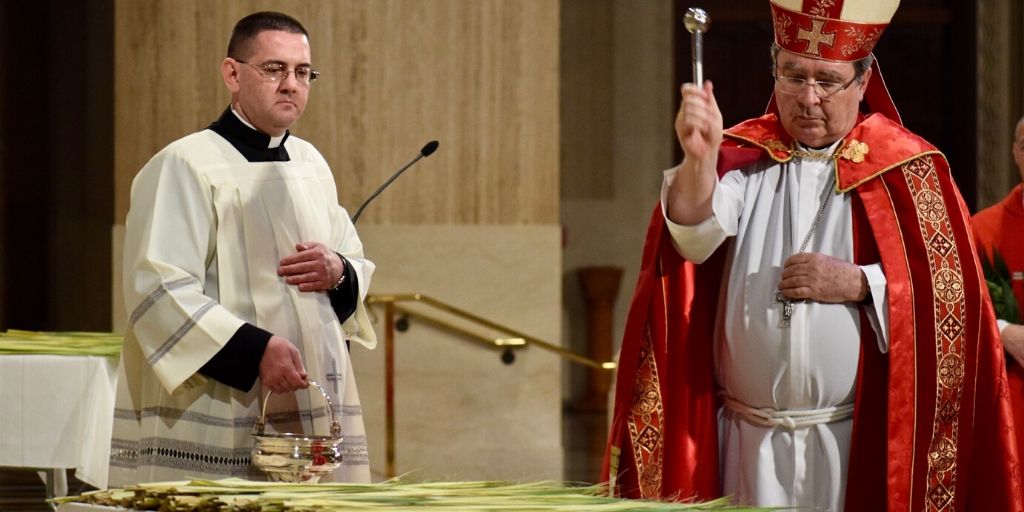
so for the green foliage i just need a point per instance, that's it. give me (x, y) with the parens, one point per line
(1000, 287)
(60, 343)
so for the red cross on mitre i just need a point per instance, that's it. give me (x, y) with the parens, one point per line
(816, 37)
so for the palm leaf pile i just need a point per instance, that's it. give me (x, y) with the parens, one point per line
(60, 343)
(236, 495)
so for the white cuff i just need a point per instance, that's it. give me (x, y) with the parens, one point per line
(878, 310)
(1002, 324)
(698, 242)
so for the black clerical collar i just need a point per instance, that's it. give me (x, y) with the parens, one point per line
(252, 144)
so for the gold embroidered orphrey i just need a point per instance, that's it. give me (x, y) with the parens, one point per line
(950, 308)
(646, 423)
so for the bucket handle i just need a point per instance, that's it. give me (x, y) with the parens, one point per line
(335, 426)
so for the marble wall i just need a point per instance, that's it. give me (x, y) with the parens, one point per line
(605, 217)
(461, 413)
(481, 76)
(1000, 42)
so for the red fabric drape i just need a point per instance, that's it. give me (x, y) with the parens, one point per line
(999, 227)
(673, 398)
(932, 427)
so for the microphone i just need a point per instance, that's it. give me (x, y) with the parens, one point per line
(427, 150)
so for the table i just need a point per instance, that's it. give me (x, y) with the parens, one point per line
(56, 413)
(82, 507)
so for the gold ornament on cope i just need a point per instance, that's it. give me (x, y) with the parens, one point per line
(775, 145)
(854, 150)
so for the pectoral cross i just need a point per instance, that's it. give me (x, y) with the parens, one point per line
(787, 309)
(334, 376)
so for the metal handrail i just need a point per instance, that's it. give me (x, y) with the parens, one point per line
(518, 338)
(487, 341)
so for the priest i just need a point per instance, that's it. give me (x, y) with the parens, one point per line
(997, 230)
(811, 326)
(243, 278)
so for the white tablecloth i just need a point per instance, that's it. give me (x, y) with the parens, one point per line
(57, 412)
(81, 507)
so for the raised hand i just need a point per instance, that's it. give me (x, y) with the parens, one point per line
(699, 130)
(699, 122)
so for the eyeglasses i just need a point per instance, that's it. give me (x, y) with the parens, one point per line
(823, 89)
(277, 72)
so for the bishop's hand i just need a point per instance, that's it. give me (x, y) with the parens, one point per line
(699, 122)
(699, 130)
(821, 278)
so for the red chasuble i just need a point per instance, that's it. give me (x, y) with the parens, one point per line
(932, 428)
(999, 227)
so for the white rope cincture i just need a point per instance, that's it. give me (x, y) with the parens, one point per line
(792, 419)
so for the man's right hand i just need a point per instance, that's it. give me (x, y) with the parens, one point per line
(699, 130)
(281, 369)
(699, 122)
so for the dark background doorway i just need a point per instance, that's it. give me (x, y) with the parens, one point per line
(56, 164)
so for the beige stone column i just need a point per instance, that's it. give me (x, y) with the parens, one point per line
(1000, 96)
(600, 288)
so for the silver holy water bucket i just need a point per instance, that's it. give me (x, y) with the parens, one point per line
(296, 457)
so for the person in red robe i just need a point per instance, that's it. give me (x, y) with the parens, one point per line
(997, 230)
(931, 424)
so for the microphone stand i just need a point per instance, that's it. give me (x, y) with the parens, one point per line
(427, 150)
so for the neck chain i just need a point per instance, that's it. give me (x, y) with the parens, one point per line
(818, 155)
(821, 211)
(813, 155)
(787, 303)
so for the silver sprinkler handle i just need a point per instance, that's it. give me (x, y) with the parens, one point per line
(697, 23)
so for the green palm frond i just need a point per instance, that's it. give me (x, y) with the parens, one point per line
(102, 344)
(235, 495)
(1000, 287)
